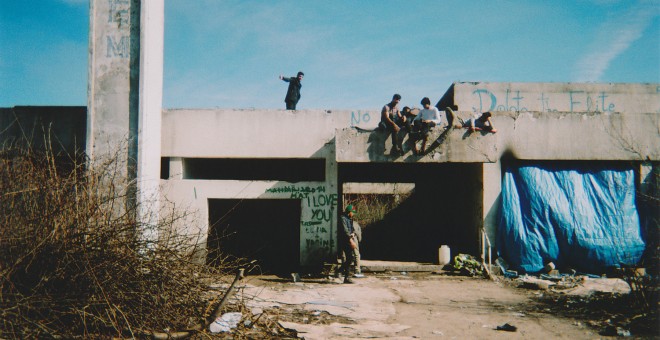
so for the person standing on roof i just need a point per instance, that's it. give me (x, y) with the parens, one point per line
(293, 92)
(426, 119)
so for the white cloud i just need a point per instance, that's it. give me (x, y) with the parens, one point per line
(614, 38)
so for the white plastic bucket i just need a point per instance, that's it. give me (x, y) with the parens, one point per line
(444, 255)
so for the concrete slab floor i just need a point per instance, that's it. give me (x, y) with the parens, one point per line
(414, 305)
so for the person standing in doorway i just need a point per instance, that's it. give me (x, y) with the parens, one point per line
(293, 93)
(346, 243)
(357, 238)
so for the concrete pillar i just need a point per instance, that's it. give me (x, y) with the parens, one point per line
(176, 168)
(152, 30)
(125, 96)
(114, 58)
(492, 194)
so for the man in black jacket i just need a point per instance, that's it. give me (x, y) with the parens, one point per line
(293, 93)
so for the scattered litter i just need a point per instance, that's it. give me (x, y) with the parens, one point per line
(507, 327)
(520, 315)
(614, 331)
(438, 333)
(226, 322)
(468, 265)
(504, 267)
(549, 267)
(404, 273)
(535, 283)
(552, 277)
(295, 277)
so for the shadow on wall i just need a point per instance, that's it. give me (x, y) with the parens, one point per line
(380, 145)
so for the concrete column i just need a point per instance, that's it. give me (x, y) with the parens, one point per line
(176, 168)
(492, 179)
(333, 189)
(125, 97)
(152, 28)
(112, 108)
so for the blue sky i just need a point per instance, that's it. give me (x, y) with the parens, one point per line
(355, 54)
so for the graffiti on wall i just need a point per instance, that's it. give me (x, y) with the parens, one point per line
(359, 118)
(318, 213)
(572, 101)
(118, 44)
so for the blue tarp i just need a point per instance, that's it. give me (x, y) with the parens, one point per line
(585, 218)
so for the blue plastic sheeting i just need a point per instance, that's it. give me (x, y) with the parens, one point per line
(585, 218)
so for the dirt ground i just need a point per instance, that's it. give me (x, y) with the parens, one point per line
(418, 306)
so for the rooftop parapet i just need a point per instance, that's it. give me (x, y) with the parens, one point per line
(521, 135)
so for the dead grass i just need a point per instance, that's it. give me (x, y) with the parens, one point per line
(74, 261)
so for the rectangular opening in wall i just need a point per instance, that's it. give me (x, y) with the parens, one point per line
(432, 205)
(255, 169)
(164, 167)
(265, 230)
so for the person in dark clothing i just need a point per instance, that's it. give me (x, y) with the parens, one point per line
(390, 120)
(293, 93)
(346, 242)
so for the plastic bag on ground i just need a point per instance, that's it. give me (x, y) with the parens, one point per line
(226, 322)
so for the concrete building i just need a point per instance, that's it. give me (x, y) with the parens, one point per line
(218, 159)
(268, 184)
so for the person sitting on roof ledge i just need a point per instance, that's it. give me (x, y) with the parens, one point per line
(426, 119)
(481, 123)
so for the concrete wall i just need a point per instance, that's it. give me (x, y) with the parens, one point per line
(523, 135)
(257, 134)
(253, 133)
(553, 97)
(613, 135)
(332, 136)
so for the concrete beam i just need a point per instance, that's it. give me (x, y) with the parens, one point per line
(378, 188)
(356, 145)
(522, 135)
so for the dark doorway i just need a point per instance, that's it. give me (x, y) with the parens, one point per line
(265, 230)
(444, 209)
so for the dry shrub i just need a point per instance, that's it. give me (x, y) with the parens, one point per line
(373, 208)
(73, 259)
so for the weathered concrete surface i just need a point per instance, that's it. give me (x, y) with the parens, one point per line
(580, 136)
(357, 145)
(522, 135)
(379, 188)
(407, 307)
(552, 97)
(318, 200)
(595, 130)
(400, 267)
(227, 133)
(112, 94)
(222, 133)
